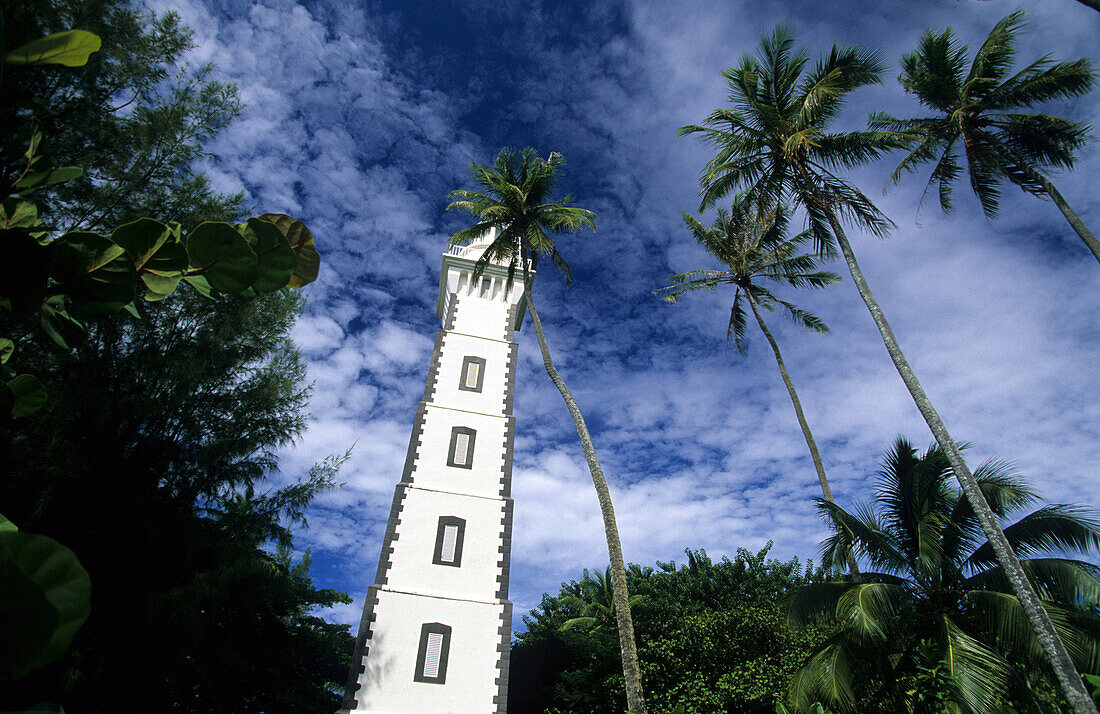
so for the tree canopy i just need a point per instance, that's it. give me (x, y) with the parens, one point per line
(153, 458)
(711, 637)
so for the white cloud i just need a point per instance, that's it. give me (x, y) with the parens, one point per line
(353, 131)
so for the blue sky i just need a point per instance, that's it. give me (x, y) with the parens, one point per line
(361, 119)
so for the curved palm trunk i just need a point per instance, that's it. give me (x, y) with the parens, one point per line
(1072, 685)
(853, 568)
(632, 675)
(1072, 218)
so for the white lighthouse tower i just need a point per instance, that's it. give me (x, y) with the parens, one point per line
(437, 624)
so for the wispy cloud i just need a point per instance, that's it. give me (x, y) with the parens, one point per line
(360, 120)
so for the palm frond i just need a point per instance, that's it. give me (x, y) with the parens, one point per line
(1080, 631)
(737, 325)
(1073, 583)
(1044, 81)
(814, 603)
(803, 318)
(934, 73)
(994, 57)
(869, 611)
(978, 674)
(1053, 528)
(867, 533)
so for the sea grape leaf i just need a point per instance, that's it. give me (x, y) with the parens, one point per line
(223, 255)
(275, 258)
(308, 260)
(70, 48)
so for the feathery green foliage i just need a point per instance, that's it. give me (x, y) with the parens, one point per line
(511, 210)
(774, 144)
(711, 634)
(938, 596)
(984, 115)
(753, 249)
(511, 202)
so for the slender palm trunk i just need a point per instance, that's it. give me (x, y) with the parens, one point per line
(632, 675)
(853, 568)
(1072, 218)
(1072, 685)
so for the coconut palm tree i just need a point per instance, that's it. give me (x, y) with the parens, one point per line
(939, 597)
(774, 142)
(596, 602)
(980, 112)
(756, 250)
(513, 205)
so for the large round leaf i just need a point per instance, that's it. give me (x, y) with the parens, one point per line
(307, 259)
(70, 48)
(94, 271)
(18, 212)
(27, 395)
(27, 619)
(276, 259)
(63, 328)
(141, 239)
(59, 577)
(42, 179)
(157, 252)
(223, 256)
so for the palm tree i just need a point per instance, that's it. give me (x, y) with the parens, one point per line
(774, 142)
(939, 597)
(596, 602)
(978, 110)
(512, 206)
(754, 250)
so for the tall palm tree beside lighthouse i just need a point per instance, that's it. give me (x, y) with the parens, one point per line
(513, 206)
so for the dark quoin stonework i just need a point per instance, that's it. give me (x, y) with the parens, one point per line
(505, 550)
(414, 443)
(504, 659)
(506, 469)
(361, 650)
(510, 327)
(510, 378)
(433, 367)
(452, 308)
(384, 562)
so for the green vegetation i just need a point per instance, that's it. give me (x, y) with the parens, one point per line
(149, 453)
(756, 250)
(146, 559)
(513, 205)
(774, 143)
(712, 637)
(980, 108)
(936, 626)
(932, 626)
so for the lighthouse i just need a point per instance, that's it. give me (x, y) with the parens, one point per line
(437, 624)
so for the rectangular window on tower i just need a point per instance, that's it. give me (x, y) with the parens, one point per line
(461, 452)
(431, 658)
(448, 541)
(473, 374)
